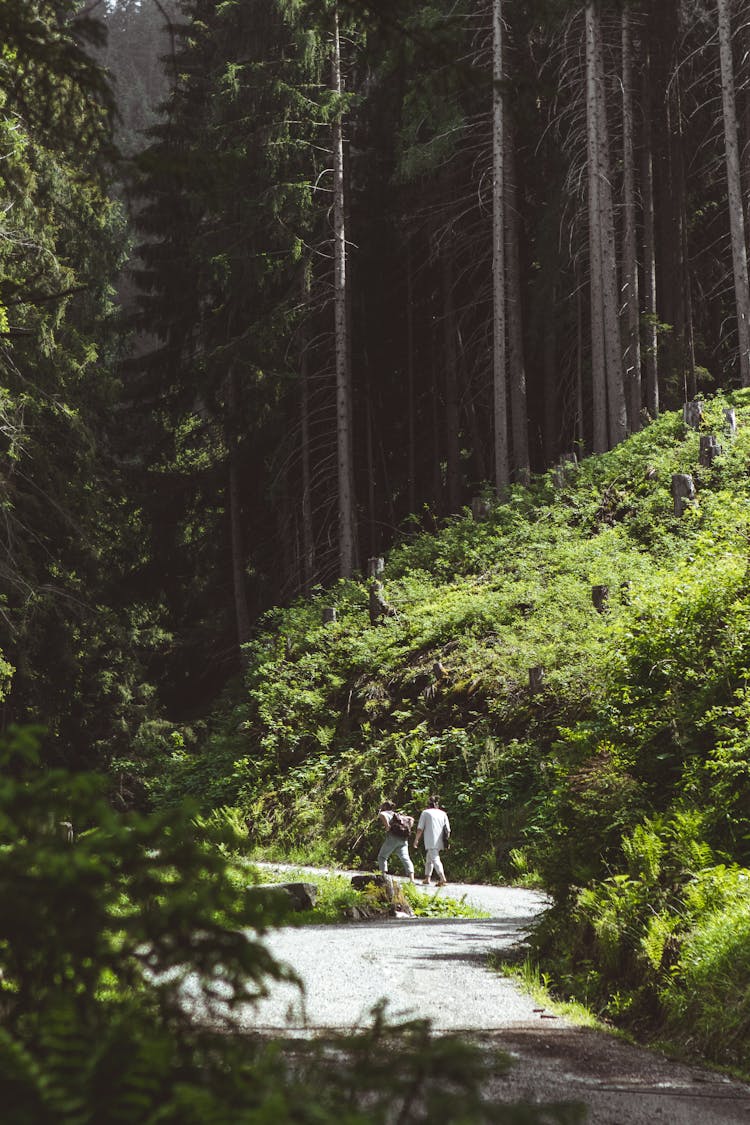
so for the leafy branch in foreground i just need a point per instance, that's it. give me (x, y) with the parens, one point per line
(126, 957)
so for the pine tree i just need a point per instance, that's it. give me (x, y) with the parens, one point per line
(68, 628)
(736, 209)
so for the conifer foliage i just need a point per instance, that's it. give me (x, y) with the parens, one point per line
(71, 632)
(346, 332)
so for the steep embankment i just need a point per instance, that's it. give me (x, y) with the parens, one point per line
(571, 676)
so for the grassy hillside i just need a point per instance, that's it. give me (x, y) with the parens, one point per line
(622, 784)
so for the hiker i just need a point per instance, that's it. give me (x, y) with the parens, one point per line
(397, 839)
(434, 824)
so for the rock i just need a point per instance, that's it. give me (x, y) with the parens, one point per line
(302, 896)
(361, 913)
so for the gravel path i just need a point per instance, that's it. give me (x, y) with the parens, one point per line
(430, 968)
(437, 969)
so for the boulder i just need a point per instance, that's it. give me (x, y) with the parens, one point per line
(301, 896)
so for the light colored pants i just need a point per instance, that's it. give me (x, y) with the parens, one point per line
(400, 846)
(433, 862)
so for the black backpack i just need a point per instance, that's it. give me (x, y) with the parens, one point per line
(401, 825)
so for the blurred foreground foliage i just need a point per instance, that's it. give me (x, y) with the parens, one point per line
(126, 957)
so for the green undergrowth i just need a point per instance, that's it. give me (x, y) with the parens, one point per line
(336, 896)
(620, 782)
(539, 985)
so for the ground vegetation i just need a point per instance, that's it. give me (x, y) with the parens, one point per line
(569, 674)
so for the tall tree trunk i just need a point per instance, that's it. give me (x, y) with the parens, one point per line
(469, 412)
(437, 444)
(736, 212)
(579, 429)
(674, 281)
(616, 406)
(241, 612)
(412, 471)
(499, 361)
(450, 364)
(651, 339)
(681, 303)
(631, 317)
(551, 411)
(370, 445)
(745, 118)
(388, 502)
(518, 407)
(598, 361)
(308, 535)
(346, 502)
(662, 32)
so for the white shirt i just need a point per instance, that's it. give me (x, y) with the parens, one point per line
(431, 823)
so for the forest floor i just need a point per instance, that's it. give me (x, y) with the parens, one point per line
(438, 969)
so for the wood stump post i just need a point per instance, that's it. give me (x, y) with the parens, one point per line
(709, 448)
(375, 567)
(731, 421)
(329, 614)
(683, 491)
(480, 509)
(600, 598)
(378, 606)
(561, 469)
(536, 679)
(692, 414)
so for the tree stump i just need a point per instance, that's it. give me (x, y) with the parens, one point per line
(480, 509)
(329, 614)
(359, 882)
(536, 679)
(397, 905)
(379, 607)
(731, 421)
(692, 414)
(375, 567)
(709, 448)
(683, 492)
(600, 598)
(562, 469)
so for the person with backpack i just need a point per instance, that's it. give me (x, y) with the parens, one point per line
(398, 827)
(436, 827)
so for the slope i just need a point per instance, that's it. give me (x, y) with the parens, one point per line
(591, 741)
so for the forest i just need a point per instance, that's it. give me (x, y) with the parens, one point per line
(345, 270)
(346, 347)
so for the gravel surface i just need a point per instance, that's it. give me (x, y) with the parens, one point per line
(437, 968)
(427, 967)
